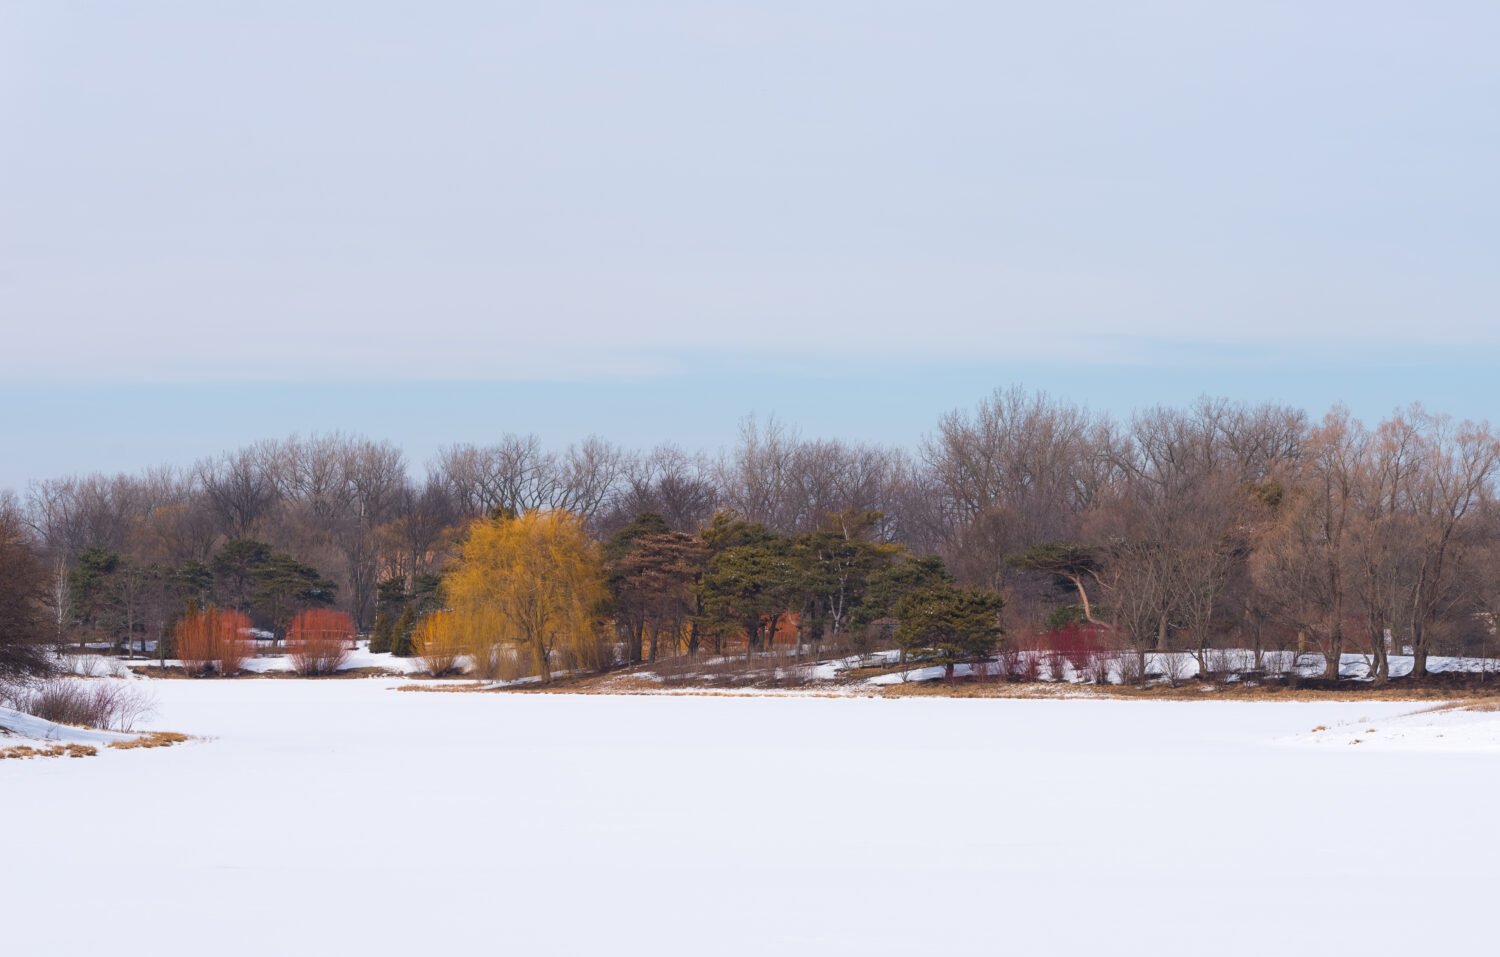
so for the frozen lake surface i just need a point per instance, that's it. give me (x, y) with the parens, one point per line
(340, 816)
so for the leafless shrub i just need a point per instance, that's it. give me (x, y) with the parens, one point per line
(1031, 666)
(1174, 667)
(1221, 661)
(1009, 661)
(102, 703)
(318, 641)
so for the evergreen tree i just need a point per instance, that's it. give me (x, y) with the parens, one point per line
(401, 645)
(952, 623)
(887, 586)
(381, 634)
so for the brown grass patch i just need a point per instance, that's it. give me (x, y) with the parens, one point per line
(155, 739)
(451, 687)
(50, 751)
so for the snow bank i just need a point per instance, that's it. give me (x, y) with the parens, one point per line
(1184, 665)
(20, 728)
(1440, 729)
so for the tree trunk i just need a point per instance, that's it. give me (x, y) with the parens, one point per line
(543, 671)
(1380, 669)
(1335, 657)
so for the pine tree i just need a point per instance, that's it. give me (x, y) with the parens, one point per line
(380, 636)
(401, 640)
(950, 623)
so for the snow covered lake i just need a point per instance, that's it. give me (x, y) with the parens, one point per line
(381, 822)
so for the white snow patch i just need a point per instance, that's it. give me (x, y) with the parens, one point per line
(20, 728)
(552, 824)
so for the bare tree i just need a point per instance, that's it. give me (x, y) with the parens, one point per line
(1302, 560)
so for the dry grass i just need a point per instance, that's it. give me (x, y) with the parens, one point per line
(50, 751)
(154, 739)
(451, 687)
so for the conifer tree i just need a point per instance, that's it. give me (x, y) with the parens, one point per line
(380, 636)
(401, 638)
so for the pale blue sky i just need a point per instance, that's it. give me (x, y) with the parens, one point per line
(440, 221)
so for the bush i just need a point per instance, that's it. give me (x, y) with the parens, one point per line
(105, 703)
(213, 640)
(318, 641)
(437, 641)
(401, 645)
(1088, 648)
(380, 636)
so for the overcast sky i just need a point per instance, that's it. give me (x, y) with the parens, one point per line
(633, 218)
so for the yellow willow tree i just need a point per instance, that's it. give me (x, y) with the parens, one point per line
(536, 580)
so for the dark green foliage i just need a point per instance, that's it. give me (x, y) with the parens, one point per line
(888, 585)
(426, 593)
(834, 567)
(93, 588)
(195, 580)
(1070, 563)
(643, 525)
(382, 633)
(390, 593)
(401, 645)
(1064, 616)
(749, 583)
(651, 577)
(397, 611)
(23, 592)
(234, 569)
(269, 586)
(952, 624)
(1068, 559)
(284, 586)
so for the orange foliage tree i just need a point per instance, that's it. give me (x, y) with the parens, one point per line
(318, 641)
(213, 640)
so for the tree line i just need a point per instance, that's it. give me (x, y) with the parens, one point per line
(1221, 524)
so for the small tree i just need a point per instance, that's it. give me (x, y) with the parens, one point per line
(381, 634)
(401, 637)
(541, 578)
(953, 624)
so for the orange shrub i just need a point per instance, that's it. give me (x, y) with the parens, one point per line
(439, 641)
(213, 639)
(318, 641)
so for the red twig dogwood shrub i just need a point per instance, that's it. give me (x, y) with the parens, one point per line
(1086, 647)
(213, 639)
(318, 641)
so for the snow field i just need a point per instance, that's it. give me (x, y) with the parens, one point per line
(346, 815)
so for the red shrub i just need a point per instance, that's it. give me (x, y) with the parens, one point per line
(318, 641)
(211, 639)
(1086, 647)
